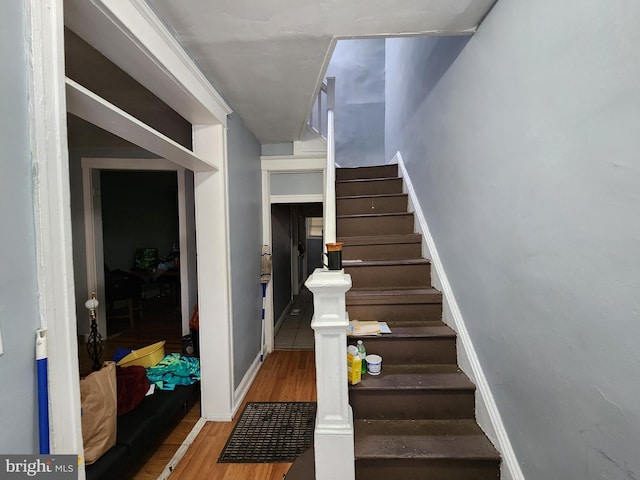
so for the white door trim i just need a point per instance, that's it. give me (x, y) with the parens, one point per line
(53, 220)
(151, 57)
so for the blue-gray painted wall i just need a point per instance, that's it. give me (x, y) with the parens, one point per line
(245, 233)
(358, 67)
(522, 143)
(19, 312)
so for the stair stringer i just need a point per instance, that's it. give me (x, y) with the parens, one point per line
(487, 413)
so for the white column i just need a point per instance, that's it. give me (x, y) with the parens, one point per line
(334, 447)
(214, 275)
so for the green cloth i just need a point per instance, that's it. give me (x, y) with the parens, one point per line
(174, 369)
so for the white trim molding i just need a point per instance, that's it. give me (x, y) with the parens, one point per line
(53, 220)
(98, 111)
(245, 383)
(487, 413)
(129, 34)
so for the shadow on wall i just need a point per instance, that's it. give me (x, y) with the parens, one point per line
(442, 53)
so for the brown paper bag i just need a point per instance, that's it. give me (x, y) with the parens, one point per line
(99, 409)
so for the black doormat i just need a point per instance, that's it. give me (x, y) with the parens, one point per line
(271, 432)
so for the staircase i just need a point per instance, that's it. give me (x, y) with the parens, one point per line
(416, 419)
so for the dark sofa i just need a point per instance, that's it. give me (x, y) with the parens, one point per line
(140, 429)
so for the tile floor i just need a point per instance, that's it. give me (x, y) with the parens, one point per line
(295, 333)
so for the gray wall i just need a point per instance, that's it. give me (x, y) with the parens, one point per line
(358, 66)
(296, 183)
(281, 249)
(523, 145)
(245, 196)
(19, 314)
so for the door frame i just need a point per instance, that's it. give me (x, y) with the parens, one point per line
(94, 251)
(130, 34)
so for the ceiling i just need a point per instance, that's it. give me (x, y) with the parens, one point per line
(267, 57)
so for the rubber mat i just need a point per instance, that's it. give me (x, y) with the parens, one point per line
(271, 432)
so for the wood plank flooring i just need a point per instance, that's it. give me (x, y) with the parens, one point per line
(286, 376)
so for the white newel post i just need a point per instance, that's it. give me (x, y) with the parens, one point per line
(334, 447)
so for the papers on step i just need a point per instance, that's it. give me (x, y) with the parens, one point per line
(359, 328)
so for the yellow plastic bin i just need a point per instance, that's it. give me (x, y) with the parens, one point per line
(145, 357)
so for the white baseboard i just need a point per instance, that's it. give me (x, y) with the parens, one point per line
(487, 413)
(245, 384)
(173, 463)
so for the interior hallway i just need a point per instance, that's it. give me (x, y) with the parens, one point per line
(296, 333)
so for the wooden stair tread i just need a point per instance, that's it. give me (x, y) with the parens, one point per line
(363, 180)
(422, 439)
(414, 378)
(371, 195)
(383, 263)
(393, 296)
(381, 239)
(374, 215)
(413, 331)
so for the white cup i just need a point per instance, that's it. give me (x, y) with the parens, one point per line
(374, 364)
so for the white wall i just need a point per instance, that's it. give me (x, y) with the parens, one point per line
(19, 315)
(245, 233)
(358, 66)
(523, 144)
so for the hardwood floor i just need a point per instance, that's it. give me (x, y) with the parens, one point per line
(286, 376)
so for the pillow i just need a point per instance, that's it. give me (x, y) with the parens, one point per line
(133, 386)
(99, 408)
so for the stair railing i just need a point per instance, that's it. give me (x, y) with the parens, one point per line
(318, 117)
(333, 436)
(329, 227)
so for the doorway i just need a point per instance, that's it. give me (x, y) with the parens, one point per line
(141, 247)
(297, 251)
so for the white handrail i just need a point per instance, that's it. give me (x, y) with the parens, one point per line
(330, 184)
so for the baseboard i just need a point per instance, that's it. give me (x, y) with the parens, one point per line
(245, 384)
(487, 413)
(173, 463)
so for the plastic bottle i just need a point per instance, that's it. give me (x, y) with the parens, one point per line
(363, 354)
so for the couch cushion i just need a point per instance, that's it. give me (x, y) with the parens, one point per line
(109, 465)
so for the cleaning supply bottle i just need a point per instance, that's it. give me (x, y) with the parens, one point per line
(354, 368)
(363, 354)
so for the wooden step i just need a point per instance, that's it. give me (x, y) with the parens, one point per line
(412, 344)
(374, 224)
(423, 449)
(382, 247)
(405, 392)
(388, 203)
(412, 273)
(368, 186)
(405, 305)
(377, 171)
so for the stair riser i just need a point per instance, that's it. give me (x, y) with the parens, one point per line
(380, 171)
(411, 404)
(384, 225)
(373, 187)
(399, 251)
(427, 469)
(391, 276)
(412, 351)
(395, 312)
(356, 206)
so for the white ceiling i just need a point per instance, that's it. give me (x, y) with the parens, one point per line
(267, 57)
